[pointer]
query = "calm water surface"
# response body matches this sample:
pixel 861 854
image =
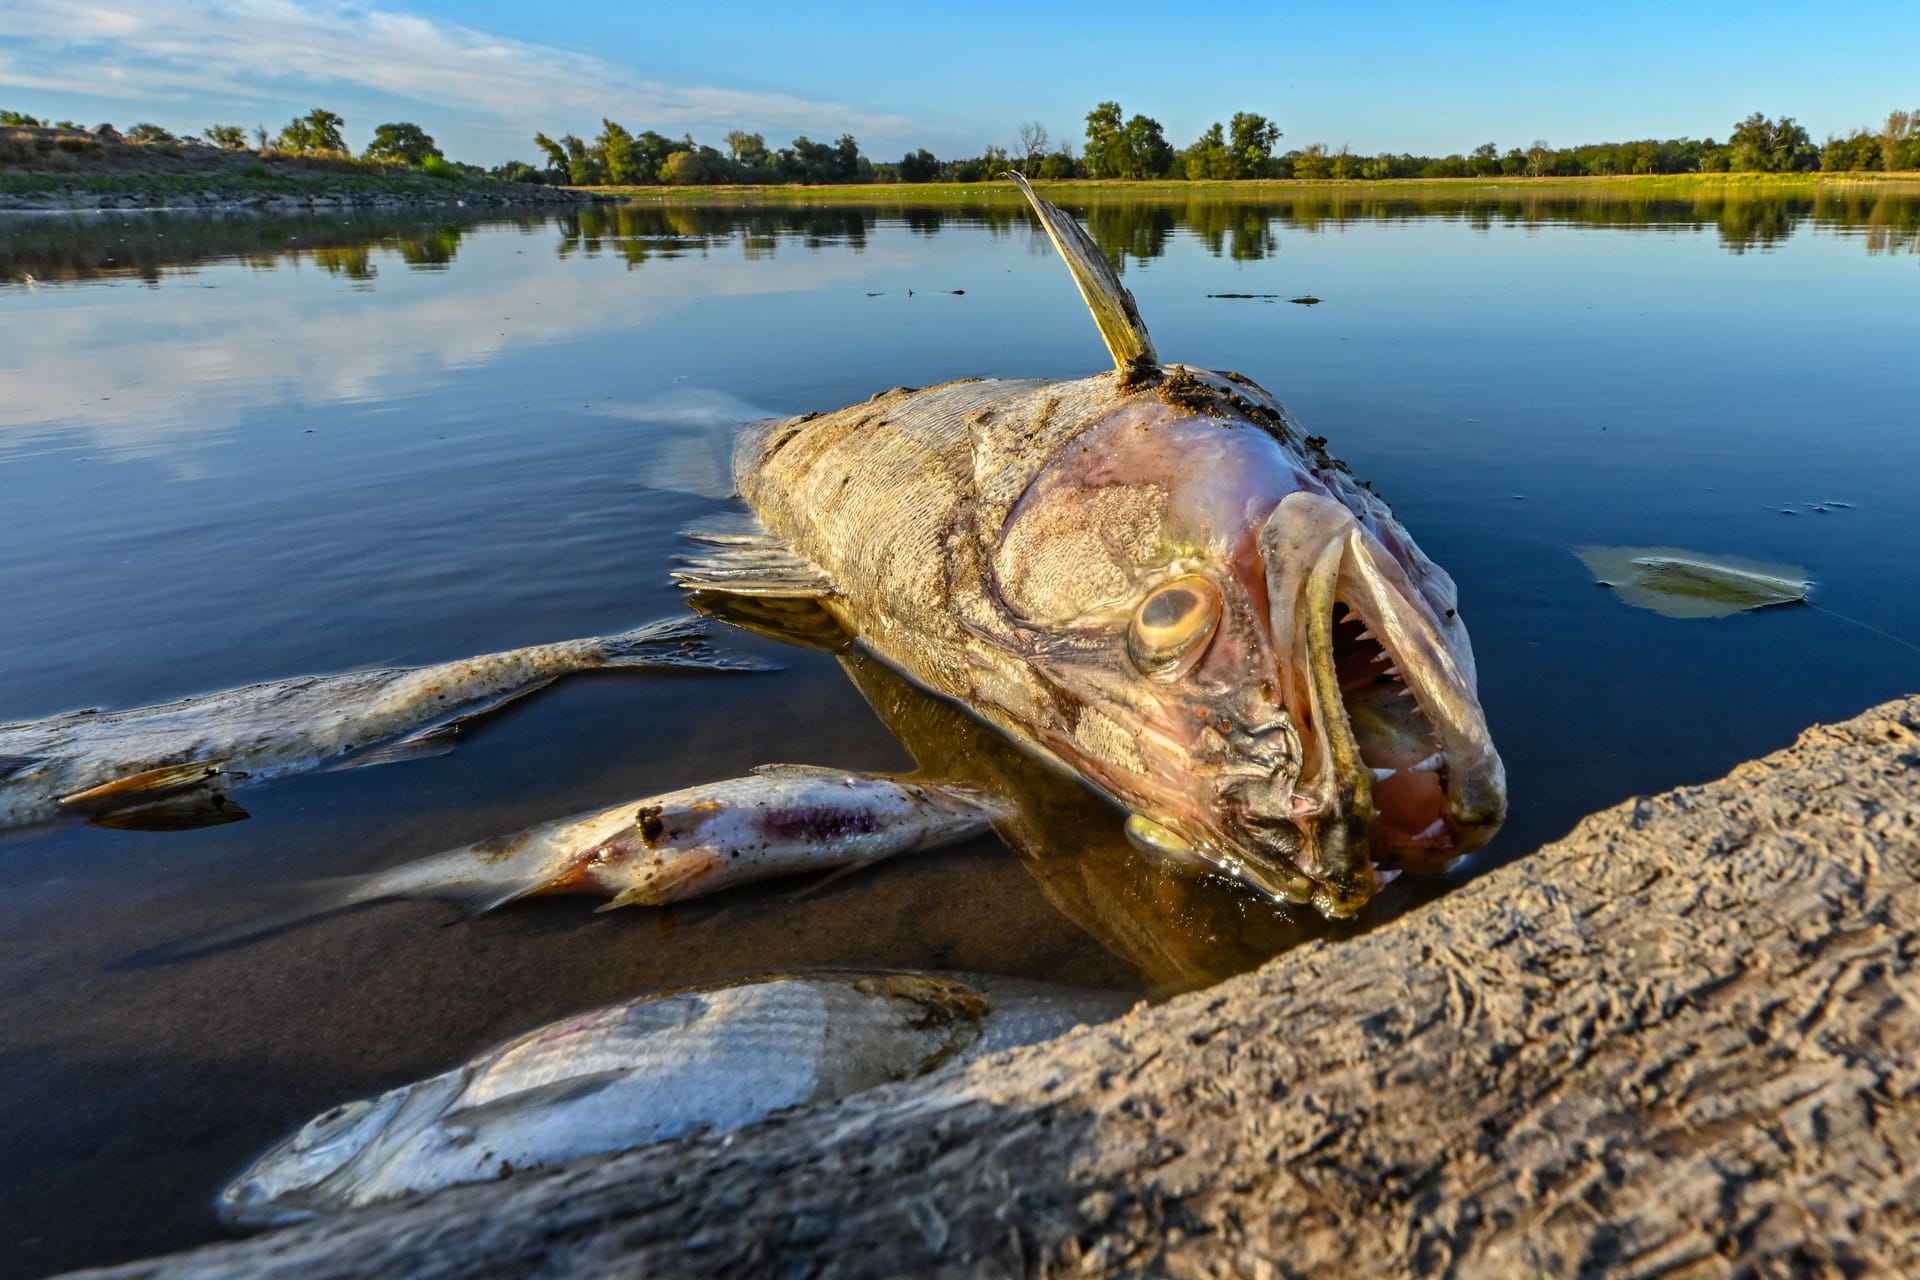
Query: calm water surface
pixel 240 450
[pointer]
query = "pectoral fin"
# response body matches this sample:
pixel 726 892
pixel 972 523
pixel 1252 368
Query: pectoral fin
pixel 755 564
pixel 472 1120
pixel 150 782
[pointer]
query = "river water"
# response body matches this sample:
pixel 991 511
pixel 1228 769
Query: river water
pixel 235 450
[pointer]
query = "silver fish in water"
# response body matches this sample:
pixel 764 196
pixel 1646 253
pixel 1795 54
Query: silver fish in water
pixel 172 764
pixel 779 820
pixel 707 1059
pixel 1156 577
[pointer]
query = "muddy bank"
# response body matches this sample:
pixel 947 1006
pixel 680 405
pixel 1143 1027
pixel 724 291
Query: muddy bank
pixel 1685 1037
pixel 50 169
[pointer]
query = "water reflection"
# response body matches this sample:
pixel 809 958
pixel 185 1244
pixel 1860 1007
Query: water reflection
pixel 78 247
pixel 67 248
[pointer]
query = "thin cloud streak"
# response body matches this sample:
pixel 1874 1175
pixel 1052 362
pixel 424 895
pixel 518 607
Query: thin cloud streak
pixel 266 50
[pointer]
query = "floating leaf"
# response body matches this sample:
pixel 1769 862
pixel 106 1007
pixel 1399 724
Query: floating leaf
pixel 1686 584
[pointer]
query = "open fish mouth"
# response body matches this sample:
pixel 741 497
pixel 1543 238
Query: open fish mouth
pixel 1397 769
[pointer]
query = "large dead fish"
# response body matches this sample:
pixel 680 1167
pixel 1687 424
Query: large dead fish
pixel 708 1059
pixel 171 764
pixel 1160 579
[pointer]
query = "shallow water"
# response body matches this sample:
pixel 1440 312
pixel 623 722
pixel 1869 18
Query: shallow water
pixel 234 450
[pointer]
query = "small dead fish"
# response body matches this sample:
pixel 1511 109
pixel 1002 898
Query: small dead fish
pixel 708 1059
pixel 170 765
pixel 779 820
pixel 1686 584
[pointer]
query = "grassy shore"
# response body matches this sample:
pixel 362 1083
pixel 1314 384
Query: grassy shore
pixel 1685 186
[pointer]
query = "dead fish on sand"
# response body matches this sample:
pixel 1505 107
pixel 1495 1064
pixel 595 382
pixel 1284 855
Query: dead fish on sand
pixel 779 820
pixel 170 765
pixel 1160 580
pixel 703 1060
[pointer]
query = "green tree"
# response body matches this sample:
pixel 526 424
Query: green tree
pixel 1106 142
pixel 402 143
pixel 1858 150
pixel 18 120
pixel 685 169
pixel 919 166
pixel 1312 162
pixel 144 132
pixel 1209 157
pixel 619 159
pixel 228 137
pixel 1059 165
pixel 556 155
pixel 1251 137
pixel 1762 145
pixel 748 150
pixel 1485 160
pixel 1344 163
pixel 1148 153
pixel 318 130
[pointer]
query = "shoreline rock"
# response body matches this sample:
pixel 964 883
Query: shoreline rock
pixel 1684 1037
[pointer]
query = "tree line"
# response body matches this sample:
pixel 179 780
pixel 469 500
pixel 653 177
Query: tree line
pixel 1116 146
pixel 319 132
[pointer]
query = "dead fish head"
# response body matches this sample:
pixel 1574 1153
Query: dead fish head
pixel 1242 645
pixel 312 1171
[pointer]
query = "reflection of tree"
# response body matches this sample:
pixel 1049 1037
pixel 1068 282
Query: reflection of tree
pixel 56 248
pixel 355 262
pixel 151 247
pixel 1137 231
pixel 431 249
pixel 1747 224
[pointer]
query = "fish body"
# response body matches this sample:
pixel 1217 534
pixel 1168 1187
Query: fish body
pixel 707 1059
pixel 1155 576
pixel 778 820
pixel 105 764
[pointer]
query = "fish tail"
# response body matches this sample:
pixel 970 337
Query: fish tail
pixel 305 903
pixel 673 642
pixel 447 877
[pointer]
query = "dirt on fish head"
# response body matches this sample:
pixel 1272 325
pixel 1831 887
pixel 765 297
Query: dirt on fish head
pixel 1235 639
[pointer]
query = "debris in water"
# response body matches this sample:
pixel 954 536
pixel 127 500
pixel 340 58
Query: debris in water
pixel 1686 584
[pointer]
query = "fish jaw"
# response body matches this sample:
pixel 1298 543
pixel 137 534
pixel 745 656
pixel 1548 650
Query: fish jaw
pixel 1399 772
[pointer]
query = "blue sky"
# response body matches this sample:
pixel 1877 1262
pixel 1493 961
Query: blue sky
pixel 1425 78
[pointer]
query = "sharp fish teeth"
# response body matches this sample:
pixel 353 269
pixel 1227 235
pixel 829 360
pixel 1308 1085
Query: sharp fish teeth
pixel 1383 656
pixel 1381 775
pixel 1439 827
pixel 1365 634
pixel 1430 765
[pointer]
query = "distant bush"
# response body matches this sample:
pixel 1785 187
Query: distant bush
pixel 438 166
pixel 149 133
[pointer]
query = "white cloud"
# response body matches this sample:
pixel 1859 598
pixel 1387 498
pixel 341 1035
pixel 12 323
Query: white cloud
pixel 269 50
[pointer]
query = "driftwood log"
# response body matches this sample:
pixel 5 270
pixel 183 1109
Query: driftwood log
pixel 1683 1040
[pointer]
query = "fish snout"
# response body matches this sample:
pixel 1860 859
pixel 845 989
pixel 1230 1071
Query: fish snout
pixel 1398 771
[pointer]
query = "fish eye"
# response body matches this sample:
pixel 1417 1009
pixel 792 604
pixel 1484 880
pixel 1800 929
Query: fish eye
pixel 332 1122
pixel 1171 627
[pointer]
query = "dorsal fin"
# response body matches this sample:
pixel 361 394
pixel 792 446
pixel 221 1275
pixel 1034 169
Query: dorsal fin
pixel 1112 306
